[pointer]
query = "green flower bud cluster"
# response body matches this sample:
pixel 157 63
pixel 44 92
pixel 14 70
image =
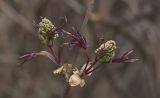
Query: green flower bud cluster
pixel 108 46
pixel 107 57
pixel 45 26
pixel 109 50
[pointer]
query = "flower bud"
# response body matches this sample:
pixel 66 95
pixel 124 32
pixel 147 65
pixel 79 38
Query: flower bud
pixel 107 57
pixel 108 46
pixel 58 71
pixel 75 80
pixel 106 51
pixel 65 68
pixel 45 26
pixel 71 74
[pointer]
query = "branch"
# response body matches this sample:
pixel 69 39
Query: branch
pixel 67 89
pixel 87 15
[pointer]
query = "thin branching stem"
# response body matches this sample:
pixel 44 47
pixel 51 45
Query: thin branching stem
pixel 83 27
pixel 87 15
pixel 54 55
pixel 66 93
pixel 94 62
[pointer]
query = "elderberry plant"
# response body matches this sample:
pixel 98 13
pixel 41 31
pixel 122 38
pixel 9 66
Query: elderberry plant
pixel 104 54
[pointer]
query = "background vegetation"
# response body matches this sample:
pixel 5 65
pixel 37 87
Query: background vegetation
pixel 133 24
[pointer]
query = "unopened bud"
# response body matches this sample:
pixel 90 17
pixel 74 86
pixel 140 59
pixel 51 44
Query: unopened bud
pixel 45 26
pixel 107 57
pixel 75 80
pixel 108 46
pixel 65 68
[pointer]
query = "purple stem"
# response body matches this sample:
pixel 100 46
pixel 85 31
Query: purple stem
pixel 54 56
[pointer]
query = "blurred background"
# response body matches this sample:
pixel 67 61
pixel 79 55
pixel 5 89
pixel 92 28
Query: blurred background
pixel 133 24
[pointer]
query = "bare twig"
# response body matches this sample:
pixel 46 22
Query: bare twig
pixel 66 91
pixel 87 15
pixel 75 5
